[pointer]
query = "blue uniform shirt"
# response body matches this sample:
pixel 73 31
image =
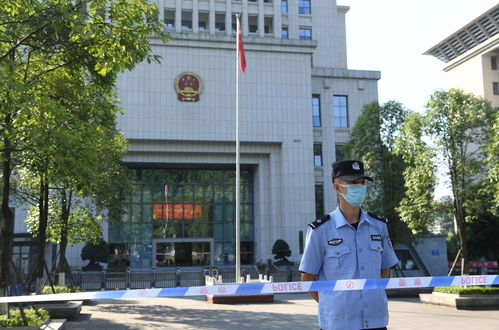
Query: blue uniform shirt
pixel 335 251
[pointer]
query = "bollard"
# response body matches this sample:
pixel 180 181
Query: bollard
pixel 153 278
pixel 103 280
pixel 62 279
pixel 178 276
pixel 248 278
pixel 128 280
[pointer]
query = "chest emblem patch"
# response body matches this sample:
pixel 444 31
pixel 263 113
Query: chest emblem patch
pixel 335 241
pixel 376 237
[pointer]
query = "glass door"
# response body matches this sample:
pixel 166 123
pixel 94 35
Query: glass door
pixel 182 253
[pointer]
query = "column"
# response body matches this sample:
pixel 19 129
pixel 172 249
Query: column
pixel 228 17
pixel 293 20
pixel 212 17
pixel 261 19
pixel 195 16
pixel 244 21
pixel 277 19
pixel 178 15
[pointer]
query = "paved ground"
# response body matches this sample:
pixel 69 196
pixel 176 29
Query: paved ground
pixel 290 311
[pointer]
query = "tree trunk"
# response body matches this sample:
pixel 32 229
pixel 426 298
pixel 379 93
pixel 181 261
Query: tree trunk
pixel 42 232
pixel 459 217
pixel 8 229
pixel 63 266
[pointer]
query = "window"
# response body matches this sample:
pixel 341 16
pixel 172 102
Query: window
pixel 319 200
pixel 267 25
pixel 340 110
pixel 316 110
pixel 339 152
pixel 284 6
pixel 219 22
pixel 304 7
pixel 170 18
pixel 186 22
pixel 284 32
pixel 305 34
pixel 493 62
pixel 317 154
pixel 253 23
pixel 203 21
pixel 495 88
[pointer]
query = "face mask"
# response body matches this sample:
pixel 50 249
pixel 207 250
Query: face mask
pixel 356 193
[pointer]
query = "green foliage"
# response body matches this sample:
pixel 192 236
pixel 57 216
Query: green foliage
pixel 60 289
pixel 82 225
pixel 96 252
pixel 281 250
pixel 416 207
pixel 34 317
pixel 469 290
pixel 373 141
pixel 493 163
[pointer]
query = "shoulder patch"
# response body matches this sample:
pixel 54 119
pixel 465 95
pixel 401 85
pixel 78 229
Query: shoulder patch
pixel 319 221
pixel 377 217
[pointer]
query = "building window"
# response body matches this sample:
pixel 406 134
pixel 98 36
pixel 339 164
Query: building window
pixel 340 110
pixel 339 152
pixel 319 200
pixel 495 88
pixel 170 18
pixel 316 110
pixel 253 23
pixel 267 25
pixel 493 62
pixel 305 34
pixel 284 6
pixel 186 22
pixel 203 21
pixel 317 154
pixel 304 7
pixel 219 22
pixel 284 32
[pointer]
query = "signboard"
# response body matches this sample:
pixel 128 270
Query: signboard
pixel 171 211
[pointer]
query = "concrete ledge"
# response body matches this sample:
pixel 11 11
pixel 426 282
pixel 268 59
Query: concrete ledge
pixel 241 299
pixel 461 301
pixel 64 310
pixel 54 324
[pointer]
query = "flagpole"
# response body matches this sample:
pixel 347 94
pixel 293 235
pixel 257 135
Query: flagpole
pixel 238 171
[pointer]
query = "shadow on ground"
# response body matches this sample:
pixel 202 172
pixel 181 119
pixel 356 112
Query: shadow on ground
pixel 168 317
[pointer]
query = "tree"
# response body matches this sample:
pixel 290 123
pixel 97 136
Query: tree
pixel 95 253
pixel 373 141
pixel 416 206
pixel 91 41
pixel 457 126
pixel 281 251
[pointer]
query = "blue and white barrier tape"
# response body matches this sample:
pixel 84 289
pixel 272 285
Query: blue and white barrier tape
pixel 268 288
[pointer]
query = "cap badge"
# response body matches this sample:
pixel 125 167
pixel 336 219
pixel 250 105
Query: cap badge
pixel 356 166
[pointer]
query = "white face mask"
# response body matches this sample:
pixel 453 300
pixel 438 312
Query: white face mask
pixel 356 193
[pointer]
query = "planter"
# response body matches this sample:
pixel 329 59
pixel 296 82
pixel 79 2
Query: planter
pixel 461 301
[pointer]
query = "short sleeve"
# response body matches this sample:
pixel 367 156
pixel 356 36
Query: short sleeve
pixel 388 258
pixel 313 254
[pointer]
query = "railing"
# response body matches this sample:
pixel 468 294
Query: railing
pixel 143 279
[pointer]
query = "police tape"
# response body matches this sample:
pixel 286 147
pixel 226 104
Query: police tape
pixel 267 288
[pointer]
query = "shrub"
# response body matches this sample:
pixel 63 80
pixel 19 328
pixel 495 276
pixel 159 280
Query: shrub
pixel 60 289
pixel 281 250
pixel 34 318
pixel 471 290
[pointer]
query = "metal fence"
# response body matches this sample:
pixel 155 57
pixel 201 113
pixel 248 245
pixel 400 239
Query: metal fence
pixel 143 279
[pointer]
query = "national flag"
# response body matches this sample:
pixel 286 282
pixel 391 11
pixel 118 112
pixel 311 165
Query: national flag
pixel 240 48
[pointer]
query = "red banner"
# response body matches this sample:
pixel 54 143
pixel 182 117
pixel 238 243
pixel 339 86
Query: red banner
pixel 477 264
pixel 170 211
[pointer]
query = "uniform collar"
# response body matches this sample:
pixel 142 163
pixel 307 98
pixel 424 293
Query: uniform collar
pixel 341 221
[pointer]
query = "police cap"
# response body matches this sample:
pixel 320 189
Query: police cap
pixel 349 170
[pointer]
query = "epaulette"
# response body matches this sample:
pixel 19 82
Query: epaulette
pixel 377 217
pixel 319 221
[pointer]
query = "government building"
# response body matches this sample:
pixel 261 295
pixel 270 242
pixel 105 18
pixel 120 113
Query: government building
pixel 298 102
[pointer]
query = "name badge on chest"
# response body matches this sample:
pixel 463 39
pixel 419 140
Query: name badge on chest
pixel 335 241
pixel 376 237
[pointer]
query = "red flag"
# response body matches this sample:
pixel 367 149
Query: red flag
pixel 240 48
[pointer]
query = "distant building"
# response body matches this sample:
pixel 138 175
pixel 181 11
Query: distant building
pixel 471 56
pixel 298 101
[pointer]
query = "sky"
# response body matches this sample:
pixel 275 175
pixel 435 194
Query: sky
pixel 391 35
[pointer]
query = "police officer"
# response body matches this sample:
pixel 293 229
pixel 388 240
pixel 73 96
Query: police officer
pixel 347 244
